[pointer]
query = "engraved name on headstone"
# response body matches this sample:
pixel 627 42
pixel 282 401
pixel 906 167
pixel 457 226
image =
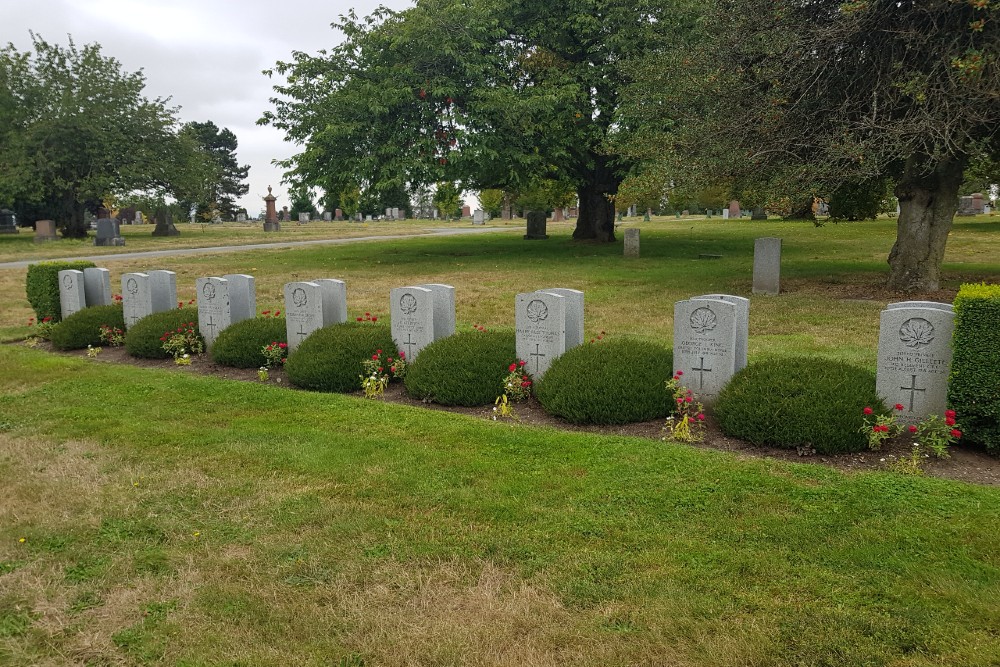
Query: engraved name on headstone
pixel 214 311
pixel 412 313
pixel 303 311
pixel 72 295
pixel 540 323
pixel 705 333
pixel 97 286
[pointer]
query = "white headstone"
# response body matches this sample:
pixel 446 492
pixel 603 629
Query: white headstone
pixel 97 286
pixel 444 309
pixel 137 297
pixel 163 286
pixel 725 214
pixel 334 300
pixel 412 312
pixel 303 217
pixel 742 324
pixel 921 304
pixel 540 323
pixel 632 242
pixel 705 333
pixel 242 297
pixel 72 294
pixel 574 314
pixel 327 216
pixel 138 218
pixel 214 311
pixel 395 214
pixel 388 213
pixel 479 217
pixel 303 311
pixel 914 360
pixel 767 265
pixel 241 217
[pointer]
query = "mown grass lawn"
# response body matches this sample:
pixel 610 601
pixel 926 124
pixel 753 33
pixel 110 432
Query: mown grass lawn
pixel 170 518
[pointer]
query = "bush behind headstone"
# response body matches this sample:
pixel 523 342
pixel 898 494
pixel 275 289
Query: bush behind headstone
pixel 83 327
pixel 330 358
pixel 143 337
pixel 974 385
pixel 464 369
pixel 42 287
pixel 241 345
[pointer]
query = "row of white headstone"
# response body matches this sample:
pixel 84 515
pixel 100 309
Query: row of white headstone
pixel 711 331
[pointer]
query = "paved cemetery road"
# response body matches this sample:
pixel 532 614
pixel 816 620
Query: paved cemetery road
pixel 113 257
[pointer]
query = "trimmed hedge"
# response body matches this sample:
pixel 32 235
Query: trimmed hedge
pixel 143 339
pixel 330 358
pixel 42 287
pixel 613 382
pixel 465 369
pixel 83 327
pixel 799 401
pixel 239 345
pixel 974 385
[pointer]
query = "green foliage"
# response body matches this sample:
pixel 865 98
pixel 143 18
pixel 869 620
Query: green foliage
pixel 863 200
pixel 143 338
pixel 330 358
pixel 974 386
pixel 448 200
pixel 42 287
pixel 228 178
pixel 241 345
pixel 790 402
pixel 83 327
pixel 491 201
pixel 612 382
pixel 465 369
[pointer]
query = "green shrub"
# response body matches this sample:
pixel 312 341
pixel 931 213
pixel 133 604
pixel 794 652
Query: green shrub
pixel 83 327
pixel 143 339
pixel 330 358
pixel 239 345
pixel 42 287
pixel 799 401
pixel 464 369
pixel 614 382
pixel 974 385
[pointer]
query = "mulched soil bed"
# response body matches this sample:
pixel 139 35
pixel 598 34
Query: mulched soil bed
pixel 965 464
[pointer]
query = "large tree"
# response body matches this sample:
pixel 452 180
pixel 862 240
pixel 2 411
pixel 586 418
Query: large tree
pixel 227 179
pixel 797 98
pixel 490 93
pixel 75 129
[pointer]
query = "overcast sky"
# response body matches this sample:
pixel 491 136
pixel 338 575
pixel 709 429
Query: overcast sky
pixel 207 55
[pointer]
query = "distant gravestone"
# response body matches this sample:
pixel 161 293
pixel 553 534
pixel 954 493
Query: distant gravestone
pixel 632 242
pixel 72 294
pixel 767 265
pixel 327 216
pixel 286 215
pixel 242 297
pixel 165 224
pixel 137 297
pixel 396 215
pixel 334 300
pixel 914 360
pixel 742 324
pixel 368 218
pixel 338 214
pixel 97 286
pixel 734 209
pixel 921 304
pixel 535 225
pixel 303 311
pixel 45 230
pixel 138 218
pixel 412 313
pixel 574 314
pixel 108 233
pixel 388 213
pixel 479 217
pixel 705 332
pixel 214 312
pixel 725 214
pixel 444 309
pixel 540 324
pixel 163 287
pixel 466 211
pixel 303 217
pixel 8 222
pixel 241 217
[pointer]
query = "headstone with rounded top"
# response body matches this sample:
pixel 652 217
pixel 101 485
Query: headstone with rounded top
pixel 97 286
pixel 303 311
pixel 214 311
pixel 540 329
pixel 705 347
pixel 72 293
pixel 734 209
pixel 412 314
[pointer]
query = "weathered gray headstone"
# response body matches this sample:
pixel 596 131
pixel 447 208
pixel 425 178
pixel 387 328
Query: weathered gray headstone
pixel 632 242
pixel 334 300
pixel 412 313
pixel 921 304
pixel 444 309
pixel 388 213
pixel 72 294
pixel 767 265
pixel 914 360
pixel 97 286
pixel 303 217
pixel 45 230
pixel 163 286
pixel 214 312
pixel 242 297
pixel 535 225
pixel 742 324
pixel 705 335
pixel 396 214
pixel 241 217
pixel 108 233
pixel 479 217
pixel 725 214
pixel 303 311
pixel 574 314
pixel 137 297
pixel 8 222
pixel 540 323
pixel 327 216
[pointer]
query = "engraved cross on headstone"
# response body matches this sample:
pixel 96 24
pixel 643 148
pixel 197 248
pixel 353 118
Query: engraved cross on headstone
pixel 134 318
pixel 913 389
pixel 537 355
pixel 409 347
pixel 701 373
pixel 211 325
pixel 300 333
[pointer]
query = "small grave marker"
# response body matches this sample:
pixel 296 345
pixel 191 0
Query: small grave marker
pixel 540 322
pixel 705 345
pixel 137 297
pixel 632 242
pixel 214 310
pixel 412 314
pixel 242 297
pixel 767 266
pixel 97 286
pixel 72 294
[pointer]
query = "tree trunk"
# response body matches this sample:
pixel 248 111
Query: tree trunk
pixel 73 226
pixel 927 206
pixel 596 218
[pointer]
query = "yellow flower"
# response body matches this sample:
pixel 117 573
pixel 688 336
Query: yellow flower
pixel 22 540
pixel 196 533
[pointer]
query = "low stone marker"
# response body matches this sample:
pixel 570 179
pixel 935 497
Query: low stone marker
pixel 163 286
pixel 137 297
pixel 242 297
pixel 574 314
pixel 725 214
pixel 632 242
pixel 45 230
pixel 334 300
pixel 338 214
pixel 241 217
pixel 540 322
pixel 535 225
pixel 97 286
pixel 914 359
pixel 108 233
pixel 444 309
pixel 705 333
pixel 303 217
pixel 214 311
pixel 412 313
pixel 742 324
pixel 327 216
pixel 72 294
pixel 767 266
pixel 479 217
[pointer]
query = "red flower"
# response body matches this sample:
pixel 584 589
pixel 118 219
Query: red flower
pixel 950 421
pixel 180 304
pixel 913 429
pixel 522 363
pixel 266 312
pixel 360 319
pixel 374 357
pixel 955 433
pixel 47 319
pixel 368 314
pixel 374 319
pixel 680 373
pixel 402 355
pixel 277 312
pixel 525 383
pixel 282 345
pixel 868 410
pixel 512 368
pixel 949 413
pixel 392 369
pixel 679 401
pixel 899 406
pixel 379 369
pixel 701 417
pixel 378 351
pixel 688 399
